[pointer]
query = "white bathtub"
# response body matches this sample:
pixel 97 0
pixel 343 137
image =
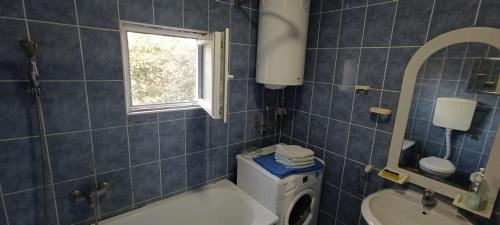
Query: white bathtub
pixel 220 203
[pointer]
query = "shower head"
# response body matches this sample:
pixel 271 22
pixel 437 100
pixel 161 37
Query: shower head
pixel 30 48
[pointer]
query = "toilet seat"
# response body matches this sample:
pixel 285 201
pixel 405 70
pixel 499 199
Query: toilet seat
pixel 437 165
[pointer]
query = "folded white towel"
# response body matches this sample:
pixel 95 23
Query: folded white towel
pixel 294 152
pixel 303 160
pixel 295 166
pixel 290 163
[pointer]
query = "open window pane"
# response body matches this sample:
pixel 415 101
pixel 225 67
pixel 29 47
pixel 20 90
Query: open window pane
pixel 163 69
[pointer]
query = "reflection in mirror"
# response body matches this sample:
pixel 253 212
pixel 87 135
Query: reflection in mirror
pixel 441 141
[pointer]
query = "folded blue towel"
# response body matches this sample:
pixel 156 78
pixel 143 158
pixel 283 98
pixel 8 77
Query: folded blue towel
pixel 279 170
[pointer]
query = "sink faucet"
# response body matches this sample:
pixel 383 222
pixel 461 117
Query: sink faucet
pixel 91 197
pixel 428 199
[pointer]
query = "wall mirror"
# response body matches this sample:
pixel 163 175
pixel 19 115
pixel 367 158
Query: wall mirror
pixel 447 121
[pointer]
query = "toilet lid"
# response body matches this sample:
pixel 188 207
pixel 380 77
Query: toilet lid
pixel 437 164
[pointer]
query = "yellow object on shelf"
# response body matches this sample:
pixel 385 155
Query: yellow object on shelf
pixel 362 87
pixel 381 111
pixel 393 176
pixel 486 210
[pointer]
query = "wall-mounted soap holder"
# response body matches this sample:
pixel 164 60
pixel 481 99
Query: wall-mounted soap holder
pixel 362 88
pixel 381 111
pixel 486 210
pixel 393 176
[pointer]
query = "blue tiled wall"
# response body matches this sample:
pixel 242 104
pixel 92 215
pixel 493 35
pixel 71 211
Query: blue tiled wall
pixel 364 42
pixel 90 137
pixel 446 74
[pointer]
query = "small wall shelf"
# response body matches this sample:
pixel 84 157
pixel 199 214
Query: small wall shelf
pixel 381 111
pixel 393 176
pixel 459 202
pixel 362 88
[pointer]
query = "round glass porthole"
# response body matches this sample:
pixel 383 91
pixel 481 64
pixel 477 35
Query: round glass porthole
pixel 300 211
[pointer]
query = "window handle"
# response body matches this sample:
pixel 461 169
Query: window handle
pixel 229 76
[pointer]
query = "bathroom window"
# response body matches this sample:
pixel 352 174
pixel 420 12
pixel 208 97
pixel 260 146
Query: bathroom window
pixel 174 69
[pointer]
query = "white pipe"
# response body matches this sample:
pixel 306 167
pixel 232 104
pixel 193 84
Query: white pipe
pixel 448 143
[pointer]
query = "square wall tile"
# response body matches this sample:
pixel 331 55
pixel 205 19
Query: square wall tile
pixel 196 134
pixel 378 27
pixel 300 125
pixel 328 5
pixel 354 178
pixel 360 144
pixel 217 162
pixel 317 127
pixel 239 61
pixel 334 165
pixel 65 106
pixel 351 33
pixel 236 127
pixel 70 211
pixel 372 67
pixel 98 13
pixel 26 208
pixel 14 64
pixel 142 118
pixel 488 16
pixel 254 121
pixel 321 99
pixel 146 182
pixel 102 54
pixel 390 101
pixel 313 31
pixel 20 119
pixel 219 15
pixel 336 139
pixel 329 30
pixel 196 14
pixel 121 196
pixel 59 56
pixel 106 104
pixel 237 95
pixel 361 114
pixel 329 198
pixel 110 149
pixel 398 59
pixel 381 146
pixel 136 10
pixel 451 15
pixel 416 13
pixel 349 209
pixel 143 142
pixel 11 8
pixel 173 171
pixel 70 155
pixel 325 65
pixel 196 165
pixel 342 100
pixel 20 164
pixel 51 10
pixel 218 133
pixel 240 25
pixel 172 115
pixel 303 97
pixel 255 95
pixel 172 138
pixel 346 69
pixel 169 13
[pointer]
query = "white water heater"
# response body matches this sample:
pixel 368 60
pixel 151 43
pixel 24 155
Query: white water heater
pixel 282 42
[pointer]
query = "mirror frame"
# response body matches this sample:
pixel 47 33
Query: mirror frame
pixel 491 184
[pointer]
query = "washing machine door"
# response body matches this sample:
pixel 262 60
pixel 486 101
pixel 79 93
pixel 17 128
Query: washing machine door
pixel 300 210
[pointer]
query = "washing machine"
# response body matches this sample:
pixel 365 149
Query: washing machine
pixel 294 198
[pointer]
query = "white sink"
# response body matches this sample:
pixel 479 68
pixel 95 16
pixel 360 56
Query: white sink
pixel 404 207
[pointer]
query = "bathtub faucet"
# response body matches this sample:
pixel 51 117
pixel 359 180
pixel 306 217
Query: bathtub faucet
pixel 91 197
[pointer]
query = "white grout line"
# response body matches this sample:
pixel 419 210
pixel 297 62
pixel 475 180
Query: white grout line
pixel 477 12
pixel 26 20
pixel 92 151
pixel 153 10
pixel 3 205
pixel 159 152
pixel 430 22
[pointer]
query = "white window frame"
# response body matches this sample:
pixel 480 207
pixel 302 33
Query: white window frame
pixel 216 104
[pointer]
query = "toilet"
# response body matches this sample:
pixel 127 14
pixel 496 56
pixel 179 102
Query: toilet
pixel 437 167
pixel 451 114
